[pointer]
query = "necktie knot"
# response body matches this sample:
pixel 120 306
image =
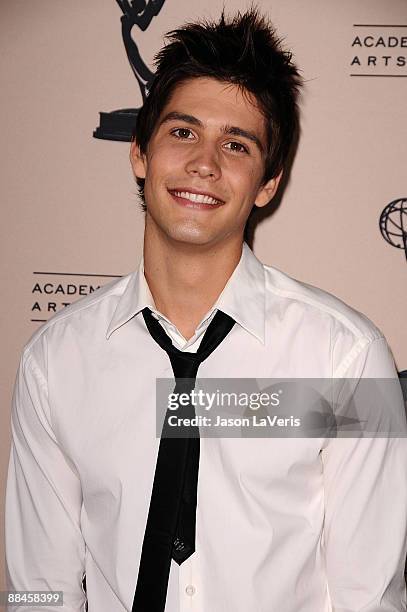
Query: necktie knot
pixel 216 331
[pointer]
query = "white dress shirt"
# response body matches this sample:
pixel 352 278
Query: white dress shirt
pixel 283 525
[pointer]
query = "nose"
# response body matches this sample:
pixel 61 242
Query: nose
pixel 204 161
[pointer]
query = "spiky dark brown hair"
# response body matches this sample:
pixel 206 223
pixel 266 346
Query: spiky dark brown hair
pixel 243 50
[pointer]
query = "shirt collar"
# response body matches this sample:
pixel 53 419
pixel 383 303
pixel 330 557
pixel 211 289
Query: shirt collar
pixel 243 296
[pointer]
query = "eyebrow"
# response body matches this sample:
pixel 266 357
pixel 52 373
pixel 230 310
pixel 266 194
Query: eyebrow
pixel 226 129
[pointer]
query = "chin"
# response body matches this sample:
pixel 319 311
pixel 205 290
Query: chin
pixel 193 236
pixel 188 238
pixel 189 233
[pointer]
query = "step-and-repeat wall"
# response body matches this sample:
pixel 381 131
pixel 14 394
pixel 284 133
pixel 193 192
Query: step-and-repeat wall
pixel 71 220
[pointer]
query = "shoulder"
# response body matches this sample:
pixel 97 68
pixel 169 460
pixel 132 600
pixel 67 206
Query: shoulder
pixel 89 314
pixel 317 305
pixel 323 329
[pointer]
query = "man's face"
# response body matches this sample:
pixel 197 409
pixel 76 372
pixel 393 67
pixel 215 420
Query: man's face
pixel 209 139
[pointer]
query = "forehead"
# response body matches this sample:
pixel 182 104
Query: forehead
pixel 216 103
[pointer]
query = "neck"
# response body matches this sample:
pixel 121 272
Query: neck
pixel 185 280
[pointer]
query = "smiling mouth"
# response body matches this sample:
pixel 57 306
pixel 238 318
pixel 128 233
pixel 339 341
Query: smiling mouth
pixel 195 200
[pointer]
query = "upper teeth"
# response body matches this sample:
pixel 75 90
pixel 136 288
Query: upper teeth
pixel 196 197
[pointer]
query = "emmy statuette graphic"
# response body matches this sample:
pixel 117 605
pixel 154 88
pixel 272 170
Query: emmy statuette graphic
pixel 393 224
pixel 119 124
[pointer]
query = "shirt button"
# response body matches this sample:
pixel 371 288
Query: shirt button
pixel 190 590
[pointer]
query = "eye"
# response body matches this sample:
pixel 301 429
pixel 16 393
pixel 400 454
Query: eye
pixel 182 132
pixel 242 149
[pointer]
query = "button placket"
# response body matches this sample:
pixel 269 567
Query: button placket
pixel 188 588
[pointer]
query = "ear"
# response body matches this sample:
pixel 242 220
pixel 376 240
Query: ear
pixel 138 161
pixel 268 191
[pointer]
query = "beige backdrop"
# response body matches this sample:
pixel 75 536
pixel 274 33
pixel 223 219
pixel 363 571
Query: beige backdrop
pixel 69 204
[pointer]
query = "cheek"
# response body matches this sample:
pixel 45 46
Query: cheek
pixel 244 180
pixel 161 163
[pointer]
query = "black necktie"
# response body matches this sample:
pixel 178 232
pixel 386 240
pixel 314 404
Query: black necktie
pixel 170 529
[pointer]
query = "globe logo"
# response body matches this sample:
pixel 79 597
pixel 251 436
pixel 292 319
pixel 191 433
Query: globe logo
pixel 393 224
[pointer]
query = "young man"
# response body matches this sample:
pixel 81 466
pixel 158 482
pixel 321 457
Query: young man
pixel 306 524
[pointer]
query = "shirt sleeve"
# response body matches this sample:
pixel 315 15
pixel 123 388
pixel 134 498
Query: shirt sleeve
pixel 45 550
pixel 365 488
